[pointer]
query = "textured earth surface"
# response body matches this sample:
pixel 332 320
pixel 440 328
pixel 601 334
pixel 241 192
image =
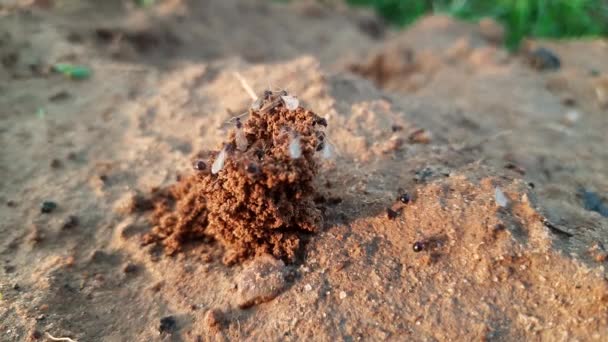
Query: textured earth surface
pixel 504 164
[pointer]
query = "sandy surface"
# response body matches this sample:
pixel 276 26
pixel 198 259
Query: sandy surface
pixel 499 159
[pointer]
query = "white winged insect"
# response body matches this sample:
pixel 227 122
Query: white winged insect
pixel 295 149
pixel 327 151
pixel 218 164
pixel 326 147
pixel 291 102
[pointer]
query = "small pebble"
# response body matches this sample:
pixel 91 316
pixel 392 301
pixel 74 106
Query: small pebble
pixel 420 136
pixel 129 268
pixel 491 30
pixel 60 96
pixel 167 324
pixel 593 202
pixel 307 288
pixel 214 319
pixel 598 252
pixel 544 59
pixel 55 163
pixel 70 222
pixel 47 207
pixel 568 101
pixel 69 261
pixel 260 281
pixel 405 198
pixel 572 116
pixel 35 335
pixel 132 201
pixel 342 295
pixel 501 199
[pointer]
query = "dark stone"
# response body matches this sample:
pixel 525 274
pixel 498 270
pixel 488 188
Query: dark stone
pixel 47 207
pixel 374 27
pixel 423 175
pixel 130 268
pixel 593 202
pixel 36 335
pixel 168 324
pixel 55 163
pixel 544 59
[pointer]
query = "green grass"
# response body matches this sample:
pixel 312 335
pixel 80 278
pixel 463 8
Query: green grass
pixel 521 18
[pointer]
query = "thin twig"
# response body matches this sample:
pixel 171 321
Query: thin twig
pixel 245 85
pixel 66 339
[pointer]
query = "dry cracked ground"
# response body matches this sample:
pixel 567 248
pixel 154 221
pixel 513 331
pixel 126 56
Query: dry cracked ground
pixel 505 164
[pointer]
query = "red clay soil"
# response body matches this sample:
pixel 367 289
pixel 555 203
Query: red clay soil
pixel 261 201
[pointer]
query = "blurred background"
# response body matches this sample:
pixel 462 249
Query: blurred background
pixel 536 18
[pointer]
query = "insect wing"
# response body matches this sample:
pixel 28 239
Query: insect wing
pixel 291 102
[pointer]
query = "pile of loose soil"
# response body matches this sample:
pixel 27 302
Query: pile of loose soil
pixel 258 196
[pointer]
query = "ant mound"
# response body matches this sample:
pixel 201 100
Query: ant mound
pixel 257 195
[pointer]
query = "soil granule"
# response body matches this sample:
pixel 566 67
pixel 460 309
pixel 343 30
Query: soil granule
pixel 261 200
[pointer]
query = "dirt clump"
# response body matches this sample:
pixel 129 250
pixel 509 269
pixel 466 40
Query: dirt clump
pixel 261 281
pixel 256 194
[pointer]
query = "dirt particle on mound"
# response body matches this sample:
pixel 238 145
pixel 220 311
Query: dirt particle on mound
pixel 420 136
pixel 214 319
pixel 132 202
pixel 130 268
pixel 258 197
pixel 598 252
pixel 70 222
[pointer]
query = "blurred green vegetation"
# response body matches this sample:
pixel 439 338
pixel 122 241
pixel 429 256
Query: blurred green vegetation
pixel 521 18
